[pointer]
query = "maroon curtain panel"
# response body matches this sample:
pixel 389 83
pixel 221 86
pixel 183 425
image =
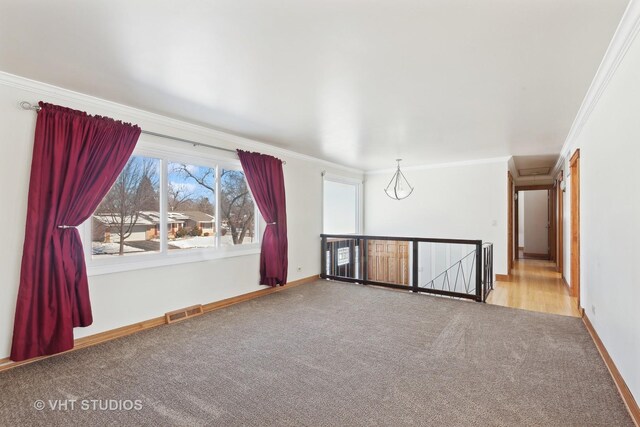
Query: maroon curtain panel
pixel 76 160
pixel 266 181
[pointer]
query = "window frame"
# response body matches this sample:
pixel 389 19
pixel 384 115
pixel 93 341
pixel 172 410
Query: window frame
pixel 164 257
pixel 359 186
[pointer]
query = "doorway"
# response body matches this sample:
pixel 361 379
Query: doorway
pixel 534 282
pixel 534 218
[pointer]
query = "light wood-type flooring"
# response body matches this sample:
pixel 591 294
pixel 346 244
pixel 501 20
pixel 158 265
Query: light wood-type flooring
pixel 535 286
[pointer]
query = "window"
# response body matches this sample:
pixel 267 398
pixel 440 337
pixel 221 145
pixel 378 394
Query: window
pixel 168 206
pixel 237 210
pixel 341 205
pixel 191 198
pixel 127 218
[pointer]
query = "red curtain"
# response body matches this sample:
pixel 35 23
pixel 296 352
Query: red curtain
pixel 76 159
pixel 266 180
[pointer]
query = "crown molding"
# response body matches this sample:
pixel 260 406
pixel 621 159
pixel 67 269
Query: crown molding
pixel 622 39
pixel 157 122
pixel 441 165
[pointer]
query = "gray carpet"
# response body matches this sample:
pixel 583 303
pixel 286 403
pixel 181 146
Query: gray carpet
pixel 332 354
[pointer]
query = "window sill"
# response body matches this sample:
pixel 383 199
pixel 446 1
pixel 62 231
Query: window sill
pixel 117 264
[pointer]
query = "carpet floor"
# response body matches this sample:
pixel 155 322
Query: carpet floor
pixel 329 354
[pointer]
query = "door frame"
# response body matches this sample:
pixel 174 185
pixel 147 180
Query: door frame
pixel 532 187
pixel 551 215
pixel 574 165
pixel 560 224
pixel 510 223
pixel 516 225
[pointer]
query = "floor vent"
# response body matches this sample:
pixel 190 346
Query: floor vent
pixel 183 313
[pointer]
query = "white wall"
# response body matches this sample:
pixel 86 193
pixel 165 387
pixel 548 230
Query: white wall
pixel 467 201
pixel 610 216
pixel 521 197
pixel 536 233
pixel 121 299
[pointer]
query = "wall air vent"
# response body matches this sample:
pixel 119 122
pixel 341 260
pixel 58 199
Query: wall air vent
pixel 183 313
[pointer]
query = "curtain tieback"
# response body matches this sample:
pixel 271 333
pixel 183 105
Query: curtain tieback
pixel 271 223
pixel 66 226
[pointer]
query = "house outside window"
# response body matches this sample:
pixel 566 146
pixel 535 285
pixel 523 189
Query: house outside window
pixel 168 207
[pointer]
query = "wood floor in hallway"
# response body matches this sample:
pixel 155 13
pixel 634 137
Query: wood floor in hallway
pixel 535 286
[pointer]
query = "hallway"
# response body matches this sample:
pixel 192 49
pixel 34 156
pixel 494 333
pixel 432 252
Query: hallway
pixel 535 286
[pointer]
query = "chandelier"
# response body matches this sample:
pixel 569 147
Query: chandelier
pixel 398 188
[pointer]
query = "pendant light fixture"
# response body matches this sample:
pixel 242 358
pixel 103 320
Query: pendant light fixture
pixel 398 188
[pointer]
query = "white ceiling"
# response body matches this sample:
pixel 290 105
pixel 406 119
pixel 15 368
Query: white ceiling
pixel 353 81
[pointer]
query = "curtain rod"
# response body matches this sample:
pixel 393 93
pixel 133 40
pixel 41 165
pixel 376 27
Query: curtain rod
pixel 29 106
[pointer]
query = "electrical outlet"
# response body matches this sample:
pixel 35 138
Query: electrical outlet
pixel 299 268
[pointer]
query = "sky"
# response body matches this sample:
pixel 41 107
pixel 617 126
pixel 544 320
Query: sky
pixel 177 178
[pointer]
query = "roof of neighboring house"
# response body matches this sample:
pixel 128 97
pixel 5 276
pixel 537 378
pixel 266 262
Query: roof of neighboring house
pixel 113 219
pixel 177 216
pixel 198 216
pixel 144 218
pixel 172 217
pixel 153 217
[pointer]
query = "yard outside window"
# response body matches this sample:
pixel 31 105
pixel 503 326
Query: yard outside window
pixel 167 208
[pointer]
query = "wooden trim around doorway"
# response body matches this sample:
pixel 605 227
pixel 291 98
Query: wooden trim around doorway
pixel 534 187
pixel 510 222
pixel 516 226
pixel 551 217
pixel 560 224
pixel 574 164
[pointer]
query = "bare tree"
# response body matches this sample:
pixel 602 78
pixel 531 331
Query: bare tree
pixel 236 204
pixel 204 205
pixel 179 196
pixel 134 190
